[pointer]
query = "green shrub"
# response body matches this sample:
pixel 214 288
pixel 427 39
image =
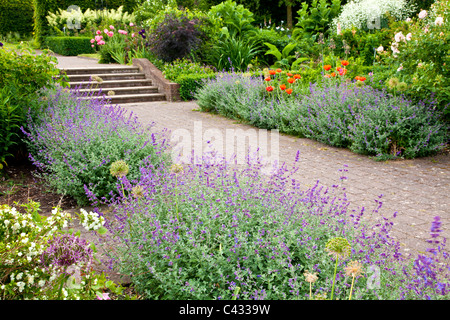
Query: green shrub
pixel 190 83
pixel 175 69
pixel 69 46
pixel 22 74
pixel 16 16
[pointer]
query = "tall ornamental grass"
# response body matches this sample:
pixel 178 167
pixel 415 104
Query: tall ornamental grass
pixel 74 140
pixel 349 115
pixel 214 231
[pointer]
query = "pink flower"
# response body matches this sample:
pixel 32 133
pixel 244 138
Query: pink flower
pixel 101 42
pixel 409 36
pixel 131 24
pixel 423 14
pixel 103 296
pixel 106 31
pixel 92 40
pixel 400 68
pixel 132 35
pixel 97 38
pixel 399 37
pixel 92 45
pixel 425 30
pixel 98 32
pixel 439 21
pixel 110 34
pixel 123 32
pixel 111 27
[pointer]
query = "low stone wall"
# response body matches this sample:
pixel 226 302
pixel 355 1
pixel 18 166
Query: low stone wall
pixel 170 89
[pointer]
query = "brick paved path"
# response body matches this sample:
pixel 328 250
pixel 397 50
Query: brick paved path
pixel 417 189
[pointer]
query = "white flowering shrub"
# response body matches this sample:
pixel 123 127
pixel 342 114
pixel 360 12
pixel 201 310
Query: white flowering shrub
pixel 40 261
pixel 91 221
pixel 356 13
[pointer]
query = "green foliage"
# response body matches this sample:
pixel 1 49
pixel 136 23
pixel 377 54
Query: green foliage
pixel 422 62
pixel 16 16
pixel 22 74
pixel 191 83
pixel 149 9
pixel 69 46
pixel 316 18
pixel 284 59
pixel 235 19
pixel 184 66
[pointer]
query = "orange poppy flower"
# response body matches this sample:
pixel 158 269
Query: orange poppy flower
pixel 291 80
pixel 362 78
pixel 268 79
pixel 269 88
pixel 357 78
pixel 289 91
pixel 327 67
pixel 333 74
pixel 344 63
pixel 279 70
pixel 289 74
pixel 272 72
pixel 342 72
pixel 338 68
pixel 297 76
pixel 283 87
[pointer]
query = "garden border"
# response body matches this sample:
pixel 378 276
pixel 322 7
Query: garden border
pixel 170 89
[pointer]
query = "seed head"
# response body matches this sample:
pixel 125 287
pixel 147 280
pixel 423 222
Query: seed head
pixel 119 169
pixel 338 247
pixel 354 269
pixel 393 82
pixel 310 277
pixel 176 168
pixel 137 191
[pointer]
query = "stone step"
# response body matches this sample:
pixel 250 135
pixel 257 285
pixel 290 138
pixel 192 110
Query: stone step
pixel 106 76
pixel 111 83
pixel 132 98
pixel 123 90
pixel 100 70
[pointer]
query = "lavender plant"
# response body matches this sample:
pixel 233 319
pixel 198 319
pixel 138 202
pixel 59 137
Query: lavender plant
pixel 355 116
pixel 235 233
pixel 74 141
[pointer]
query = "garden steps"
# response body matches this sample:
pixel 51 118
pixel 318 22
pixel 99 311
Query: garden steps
pixel 128 83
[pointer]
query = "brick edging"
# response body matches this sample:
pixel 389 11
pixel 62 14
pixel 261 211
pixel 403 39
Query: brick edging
pixel 170 89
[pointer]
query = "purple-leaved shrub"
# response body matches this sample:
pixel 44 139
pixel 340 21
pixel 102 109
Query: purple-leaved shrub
pixel 74 140
pixel 216 231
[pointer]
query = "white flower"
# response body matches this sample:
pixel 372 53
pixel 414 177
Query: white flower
pixel 408 20
pixel 400 68
pixel 439 21
pixel 423 14
pixel 380 49
pixel 6 222
pixel 399 37
pixel 409 36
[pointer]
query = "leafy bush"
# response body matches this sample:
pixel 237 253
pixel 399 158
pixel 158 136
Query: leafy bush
pixel 16 16
pixel 365 120
pixel 419 56
pixel 22 74
pixel 214 231
pixel 235 19
pixel 175 69
pixel 176 38
pixel 38 260
pixel 317 19
pixel 149 10
pixel 190 83
pixel 74 141
pixel 69 46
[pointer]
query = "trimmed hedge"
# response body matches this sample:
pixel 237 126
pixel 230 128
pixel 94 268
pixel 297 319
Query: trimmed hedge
pixel 43 7
pixel 190 83
pixel 69 46
pixel 16 16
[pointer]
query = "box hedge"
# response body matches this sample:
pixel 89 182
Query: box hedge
pixel 16 16
pixel 69 46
